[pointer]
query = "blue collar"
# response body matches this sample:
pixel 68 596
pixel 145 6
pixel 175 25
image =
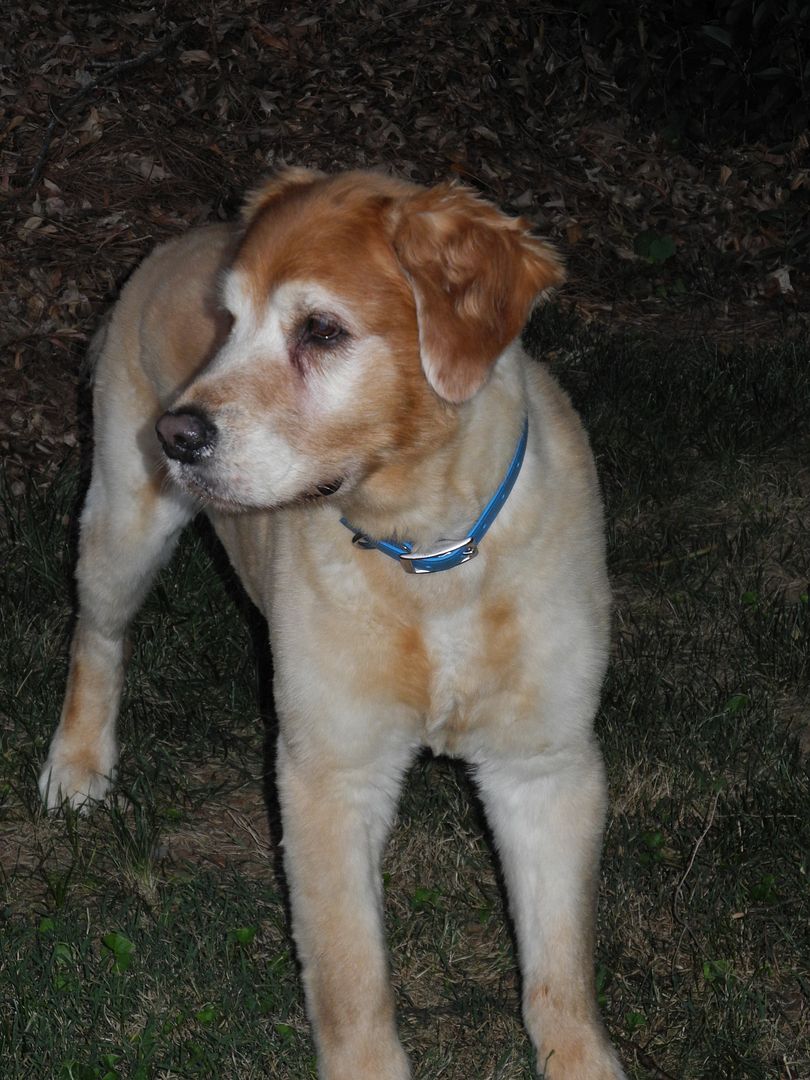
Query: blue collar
pixel 449 553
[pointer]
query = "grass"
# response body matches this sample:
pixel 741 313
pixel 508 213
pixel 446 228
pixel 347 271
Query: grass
pixel 150 939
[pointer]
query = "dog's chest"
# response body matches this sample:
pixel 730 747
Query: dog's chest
pixel 474 673
pixel 446 658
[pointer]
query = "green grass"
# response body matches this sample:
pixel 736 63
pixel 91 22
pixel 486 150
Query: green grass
pixel 150 938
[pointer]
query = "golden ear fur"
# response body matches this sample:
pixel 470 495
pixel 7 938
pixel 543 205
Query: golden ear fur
pixel 285 180
pixel 475 273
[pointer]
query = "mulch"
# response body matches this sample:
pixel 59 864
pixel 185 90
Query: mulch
pixel 125 124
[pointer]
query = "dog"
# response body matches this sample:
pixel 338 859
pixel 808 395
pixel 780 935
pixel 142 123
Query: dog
pixel 337 380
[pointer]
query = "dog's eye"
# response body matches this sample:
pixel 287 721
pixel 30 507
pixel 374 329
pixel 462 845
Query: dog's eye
pixel 322 330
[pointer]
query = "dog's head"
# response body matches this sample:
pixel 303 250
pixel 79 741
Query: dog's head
pixel 366 311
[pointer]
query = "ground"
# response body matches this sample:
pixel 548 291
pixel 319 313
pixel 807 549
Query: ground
pixel 150 939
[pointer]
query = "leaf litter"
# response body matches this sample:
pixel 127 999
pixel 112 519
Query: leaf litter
pixel 122 127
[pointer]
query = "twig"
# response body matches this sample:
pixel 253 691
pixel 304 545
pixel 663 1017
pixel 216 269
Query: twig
pixel 686 929
pixel 102 79
pixel 659 564
pixel 655 1071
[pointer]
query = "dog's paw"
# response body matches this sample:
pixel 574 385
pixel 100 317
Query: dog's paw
pixel 584 1059
pixel 74 782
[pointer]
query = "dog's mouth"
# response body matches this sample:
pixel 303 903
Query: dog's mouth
pixel 206 493
pixel 212 494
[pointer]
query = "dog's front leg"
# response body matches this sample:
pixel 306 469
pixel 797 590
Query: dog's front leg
pixel 128 529
pixel 547 821
pixel 335 821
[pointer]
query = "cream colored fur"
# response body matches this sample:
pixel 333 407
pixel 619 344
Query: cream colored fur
pixel 499 661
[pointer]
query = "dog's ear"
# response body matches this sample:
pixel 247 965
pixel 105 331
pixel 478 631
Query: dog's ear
pixel 284 181
pixel 475 274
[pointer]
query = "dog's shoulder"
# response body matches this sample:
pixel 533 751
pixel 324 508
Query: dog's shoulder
pixel 169 318
pixel 183 270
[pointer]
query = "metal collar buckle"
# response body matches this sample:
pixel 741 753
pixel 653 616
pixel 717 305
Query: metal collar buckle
pixel 449 553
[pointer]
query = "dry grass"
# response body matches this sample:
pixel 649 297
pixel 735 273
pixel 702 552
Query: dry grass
pixel 703 962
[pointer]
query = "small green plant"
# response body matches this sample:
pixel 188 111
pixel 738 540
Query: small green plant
pixel 764 890
pixel 243 935
pixel 655 247
pixel 653 848
pixel 426 899
pixel 121 949
pixel 207 1015
pixel 63 964
pixel 635 1021
pixel 74 1070
pixel 603 978
pixel 736 703
pixel 717 971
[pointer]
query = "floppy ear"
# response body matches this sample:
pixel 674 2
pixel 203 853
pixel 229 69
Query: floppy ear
pixel 475 274
pixel 287 179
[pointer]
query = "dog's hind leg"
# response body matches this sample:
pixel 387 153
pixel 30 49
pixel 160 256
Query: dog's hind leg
pixel 129 526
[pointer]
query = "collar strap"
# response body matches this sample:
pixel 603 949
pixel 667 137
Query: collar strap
pixel 449 553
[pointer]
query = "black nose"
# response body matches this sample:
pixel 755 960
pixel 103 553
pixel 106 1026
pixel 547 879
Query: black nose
pixel 187 435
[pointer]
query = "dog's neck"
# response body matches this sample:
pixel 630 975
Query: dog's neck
pixel 442 492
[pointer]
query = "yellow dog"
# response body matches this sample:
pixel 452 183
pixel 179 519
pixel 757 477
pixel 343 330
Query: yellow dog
pixel 337 381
